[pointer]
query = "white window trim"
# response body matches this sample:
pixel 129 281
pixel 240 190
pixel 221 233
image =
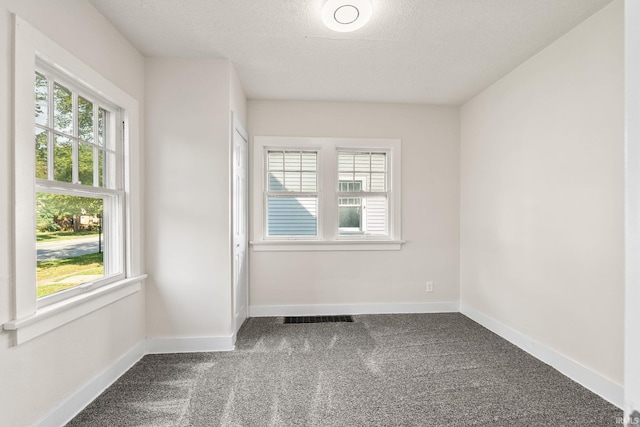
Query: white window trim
pixel 328 238
pixel 30 321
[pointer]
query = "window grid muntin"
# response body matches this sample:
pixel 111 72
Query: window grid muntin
pixel 301 171
pixel 105 146
pixel 363 171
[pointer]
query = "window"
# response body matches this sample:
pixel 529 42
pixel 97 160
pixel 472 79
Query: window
pixel 292 193
pixel 79 196
pixel 326 193
pixel 362 193
pixel 75 138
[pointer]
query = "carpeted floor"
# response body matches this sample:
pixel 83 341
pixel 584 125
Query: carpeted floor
pixel 381 370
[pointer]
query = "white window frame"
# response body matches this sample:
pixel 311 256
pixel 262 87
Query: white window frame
pixel 31 321
pixel 112 193
pixel 328 238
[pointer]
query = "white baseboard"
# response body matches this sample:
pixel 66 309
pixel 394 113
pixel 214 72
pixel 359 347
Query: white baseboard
pixel 579 373
pixel 332 309
pixel 79 399
pixel 190 345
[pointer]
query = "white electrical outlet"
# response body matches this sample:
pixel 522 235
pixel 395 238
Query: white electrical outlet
pixel 429 287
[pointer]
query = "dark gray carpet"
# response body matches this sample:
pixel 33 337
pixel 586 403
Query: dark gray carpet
pixel 381 370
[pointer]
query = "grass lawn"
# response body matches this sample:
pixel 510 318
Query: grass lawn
pixel 44 290
pixel 50 272
pixel 63 235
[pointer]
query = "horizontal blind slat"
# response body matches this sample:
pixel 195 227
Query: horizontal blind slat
pixel 292 216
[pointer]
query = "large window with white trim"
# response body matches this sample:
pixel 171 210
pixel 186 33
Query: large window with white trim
pixel 76 217
pixel 79 189
pixel 326 193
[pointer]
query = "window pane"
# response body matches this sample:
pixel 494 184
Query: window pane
pixel 42 149
pixel 347 182
pixel 85 164
pixel 62 159
pixel 366 216
pixel 292 171
pixel 378 182
pixel 275 160
pixel 345 162
pixel 378 162
pixel 101 168
pixel 365 170
pixel 361 162
pixel 102 123
pixel 363 180
pixel 309 161
pixel 349 186
pixel 376 216
pixel 110 178
pixel 42 100
pixel 63 109
pixel 85 119
pixel 349 215
pixel 292 181
pixel 309 182
pixel 292 161
pixel 276 181
pixel 69 244
pixel 292 216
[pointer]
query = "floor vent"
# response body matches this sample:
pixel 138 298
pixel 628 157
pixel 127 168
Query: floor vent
pixel 317 319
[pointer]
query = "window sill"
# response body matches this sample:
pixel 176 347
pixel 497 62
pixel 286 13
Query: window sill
pixel 327 245
pixel 55 315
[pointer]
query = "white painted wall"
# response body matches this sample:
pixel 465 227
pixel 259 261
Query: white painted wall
pixel 542 207
pixel 37 376
pixel 430 183
pixel 632 276
pixel 237 97
pixel 188 196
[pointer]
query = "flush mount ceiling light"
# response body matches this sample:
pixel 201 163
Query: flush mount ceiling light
pixel 346 15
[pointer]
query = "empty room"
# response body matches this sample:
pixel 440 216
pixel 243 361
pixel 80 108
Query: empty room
pixel 319 213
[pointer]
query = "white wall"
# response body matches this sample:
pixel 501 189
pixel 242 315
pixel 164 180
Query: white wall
pixel 237 97
pixel 188 196
pixel 38 375
pixel 542 197
pixel 632 267
pixel 430 183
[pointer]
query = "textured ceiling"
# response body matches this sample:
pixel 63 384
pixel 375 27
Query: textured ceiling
pixel 423 51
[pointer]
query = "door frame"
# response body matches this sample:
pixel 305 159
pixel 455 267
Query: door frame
pixel 236 126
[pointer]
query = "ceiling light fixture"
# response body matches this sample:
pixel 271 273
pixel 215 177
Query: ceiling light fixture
pixel 346 15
